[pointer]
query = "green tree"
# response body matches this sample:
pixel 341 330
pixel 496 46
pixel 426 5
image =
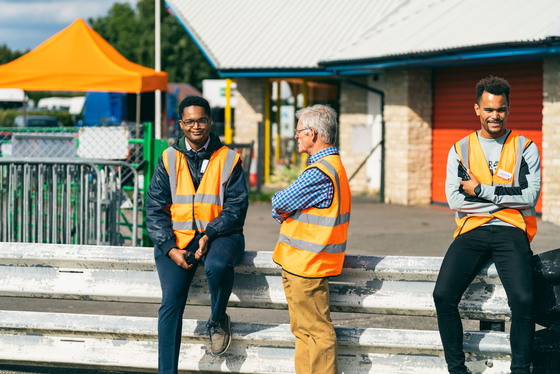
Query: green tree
pixel 7 55
pixel 183 59
pixel 132 34
pixel 119 28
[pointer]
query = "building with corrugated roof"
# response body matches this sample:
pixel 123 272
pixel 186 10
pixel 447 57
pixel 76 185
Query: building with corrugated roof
pixel 400 73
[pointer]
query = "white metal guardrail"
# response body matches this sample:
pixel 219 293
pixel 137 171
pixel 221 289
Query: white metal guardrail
pixel 368 284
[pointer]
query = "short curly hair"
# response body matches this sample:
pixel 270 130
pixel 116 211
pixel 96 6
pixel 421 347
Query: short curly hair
pixel 194 100
pixel 493 85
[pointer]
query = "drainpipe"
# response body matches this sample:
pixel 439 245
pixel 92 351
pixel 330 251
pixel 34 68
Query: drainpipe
pixel 382 142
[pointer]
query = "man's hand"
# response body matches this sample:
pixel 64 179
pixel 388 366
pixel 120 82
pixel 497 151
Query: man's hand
pixel 470 185
pixel 202 247
pixel 178 256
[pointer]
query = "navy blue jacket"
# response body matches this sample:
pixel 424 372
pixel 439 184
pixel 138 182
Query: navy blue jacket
pixel 158 201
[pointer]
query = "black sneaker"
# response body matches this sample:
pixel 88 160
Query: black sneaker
pixel 220 336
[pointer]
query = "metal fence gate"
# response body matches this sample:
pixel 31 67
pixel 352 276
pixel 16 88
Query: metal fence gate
pixel 66 201
pixel 83 197
pixel 57 185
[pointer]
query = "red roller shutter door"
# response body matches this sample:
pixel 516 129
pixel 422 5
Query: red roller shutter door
pixel 454 116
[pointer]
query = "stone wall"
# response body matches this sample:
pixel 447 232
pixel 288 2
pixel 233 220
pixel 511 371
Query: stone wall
pixel 551 141
pixel 408 136
pixel 353 112
pixel 249 109
pixel 408 130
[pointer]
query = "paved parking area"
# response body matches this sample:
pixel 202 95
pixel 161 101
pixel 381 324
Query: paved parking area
pixel 387 229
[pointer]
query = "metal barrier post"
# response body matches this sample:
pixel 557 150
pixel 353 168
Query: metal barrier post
pixel 153 148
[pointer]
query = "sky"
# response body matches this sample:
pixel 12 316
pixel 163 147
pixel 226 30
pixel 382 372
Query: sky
pixel 24 24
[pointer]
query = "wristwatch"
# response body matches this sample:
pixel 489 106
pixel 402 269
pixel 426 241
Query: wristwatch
pixel 477 190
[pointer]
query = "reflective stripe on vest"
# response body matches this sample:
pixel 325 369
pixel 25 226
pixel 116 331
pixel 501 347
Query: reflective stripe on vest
pixel 471 154
pixel 192 209
pixel 312 241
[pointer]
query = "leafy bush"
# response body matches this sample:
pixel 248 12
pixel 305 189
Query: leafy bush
pixel 7 117
pixel 259 197
pixel 285 174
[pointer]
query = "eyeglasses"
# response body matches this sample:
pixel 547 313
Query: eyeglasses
pixel 298 131
pixel 202 122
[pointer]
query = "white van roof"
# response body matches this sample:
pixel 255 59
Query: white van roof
pixel 12 94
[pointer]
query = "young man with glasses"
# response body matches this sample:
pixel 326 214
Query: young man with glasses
pixel 315 213
pixel 195 210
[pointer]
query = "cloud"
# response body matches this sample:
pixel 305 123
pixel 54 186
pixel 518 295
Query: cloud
pixel 51 12
pixel 27 23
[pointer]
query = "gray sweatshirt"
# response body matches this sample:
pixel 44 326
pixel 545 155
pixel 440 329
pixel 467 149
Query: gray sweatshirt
pixel 491 198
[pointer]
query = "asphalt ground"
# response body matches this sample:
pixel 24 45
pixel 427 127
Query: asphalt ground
pixel 375 229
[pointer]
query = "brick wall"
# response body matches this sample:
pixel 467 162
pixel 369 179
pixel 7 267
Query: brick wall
pixel 551 141
pixel 408 136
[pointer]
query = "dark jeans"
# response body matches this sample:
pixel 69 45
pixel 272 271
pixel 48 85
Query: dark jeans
pixel 509 248
pixel 224 253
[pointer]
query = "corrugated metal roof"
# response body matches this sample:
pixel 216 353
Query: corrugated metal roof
pixel 437 25
pixel 298 34
pixel 271 34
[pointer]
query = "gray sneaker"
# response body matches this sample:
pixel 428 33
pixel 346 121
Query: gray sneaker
pixel 220 336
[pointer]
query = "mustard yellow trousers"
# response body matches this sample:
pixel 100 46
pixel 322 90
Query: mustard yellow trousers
pixel 311 324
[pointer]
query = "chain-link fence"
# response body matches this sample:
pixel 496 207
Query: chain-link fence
pixel 98 142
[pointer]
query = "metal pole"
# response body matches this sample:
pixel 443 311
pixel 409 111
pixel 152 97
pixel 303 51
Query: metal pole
pixel 25 191
pixel 136 150
pixel 228 132
pixel 267 137
pixel 277 135
pixel 305 92
pixel 158 68
pixel 41 171
pixel 24 109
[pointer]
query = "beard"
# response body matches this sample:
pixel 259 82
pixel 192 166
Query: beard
pixel 494 127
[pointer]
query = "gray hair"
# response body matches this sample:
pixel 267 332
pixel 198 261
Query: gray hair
pixel 322 119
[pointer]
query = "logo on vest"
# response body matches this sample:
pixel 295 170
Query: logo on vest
pixel 504 174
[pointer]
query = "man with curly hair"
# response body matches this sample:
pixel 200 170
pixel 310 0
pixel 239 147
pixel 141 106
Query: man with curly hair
pixel 493 183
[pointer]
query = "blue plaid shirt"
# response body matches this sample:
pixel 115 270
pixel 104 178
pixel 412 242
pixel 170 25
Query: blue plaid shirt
pixel 311 189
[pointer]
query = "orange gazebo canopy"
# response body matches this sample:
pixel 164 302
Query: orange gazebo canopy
pixel 79 59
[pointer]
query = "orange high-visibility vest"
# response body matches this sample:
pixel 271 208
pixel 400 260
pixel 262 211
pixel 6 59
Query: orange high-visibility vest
pixel 312 241
pixel 472 156
pixel 192 210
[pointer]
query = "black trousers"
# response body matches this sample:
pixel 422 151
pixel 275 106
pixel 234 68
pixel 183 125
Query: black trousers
pixel 511 252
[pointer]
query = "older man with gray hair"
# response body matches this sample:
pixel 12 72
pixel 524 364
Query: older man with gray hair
pixel 315 213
